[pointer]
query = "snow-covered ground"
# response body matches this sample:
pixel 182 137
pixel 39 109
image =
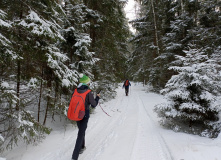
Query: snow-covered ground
pixel 131 133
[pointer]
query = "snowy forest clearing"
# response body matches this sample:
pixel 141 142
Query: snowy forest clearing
pixel 131 133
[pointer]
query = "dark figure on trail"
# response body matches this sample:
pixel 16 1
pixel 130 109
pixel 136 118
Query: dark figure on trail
pixel 126 85
pixel 83 88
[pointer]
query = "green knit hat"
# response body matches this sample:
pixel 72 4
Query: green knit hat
pixel 84 79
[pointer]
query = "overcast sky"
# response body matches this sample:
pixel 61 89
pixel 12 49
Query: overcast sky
pixel 130 11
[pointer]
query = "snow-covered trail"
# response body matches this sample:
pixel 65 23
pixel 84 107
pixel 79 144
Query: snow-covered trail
pixel 131 133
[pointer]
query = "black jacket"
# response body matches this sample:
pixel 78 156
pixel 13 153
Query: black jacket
pixel 89 100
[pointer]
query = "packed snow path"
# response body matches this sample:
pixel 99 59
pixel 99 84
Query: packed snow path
pixel 131 133
pixel 128 134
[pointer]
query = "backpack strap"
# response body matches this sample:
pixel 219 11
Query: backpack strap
pixel 86 92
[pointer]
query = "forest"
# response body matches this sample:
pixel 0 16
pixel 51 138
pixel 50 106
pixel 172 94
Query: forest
pixel 46 44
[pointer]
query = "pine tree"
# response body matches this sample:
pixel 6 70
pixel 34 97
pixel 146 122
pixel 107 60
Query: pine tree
pixel 151 27
pixel 109 42
pixel 5 44
pixel 7 96
pixel 162 33
pixel 78 40
pixel 38 65
pixel 175 38
pixel 193 95
pixel 142 42
pixel 44 46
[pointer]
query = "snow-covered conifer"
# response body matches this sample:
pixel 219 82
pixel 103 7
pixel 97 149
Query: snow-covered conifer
pixel 193 95
pixel 78 41
pixel 37 71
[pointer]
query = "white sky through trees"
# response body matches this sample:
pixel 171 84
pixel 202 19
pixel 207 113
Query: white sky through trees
pixel 130 10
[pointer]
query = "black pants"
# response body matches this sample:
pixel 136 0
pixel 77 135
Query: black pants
pixel 80 142
pixel 126 90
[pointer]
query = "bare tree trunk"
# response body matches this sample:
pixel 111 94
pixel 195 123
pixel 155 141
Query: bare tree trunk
pixel 182 7
pixel 18 84
pixel 55 100
pixel 47 108
pixel 155 28
pixel 39 102
pixel 19 70
pixel 196 13
pixel 49 78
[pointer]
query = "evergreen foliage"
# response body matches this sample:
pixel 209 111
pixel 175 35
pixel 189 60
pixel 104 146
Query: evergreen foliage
pixel 44 46
pixel 109 42
pixel 193 95
pixel 164 29
pixel 168 31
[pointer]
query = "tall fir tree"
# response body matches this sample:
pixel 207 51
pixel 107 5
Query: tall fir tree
pixel 109 42
pixel 44 46
pixel 161 34
pixel 151 25
pixel 37 65
pixel 193 94
pixel 78 40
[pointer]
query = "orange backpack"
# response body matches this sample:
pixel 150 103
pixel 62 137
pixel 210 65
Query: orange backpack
pixel 76 110
pixel 127 83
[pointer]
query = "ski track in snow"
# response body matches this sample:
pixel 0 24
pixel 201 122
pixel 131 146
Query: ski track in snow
pixel 129 134
pixel 150 138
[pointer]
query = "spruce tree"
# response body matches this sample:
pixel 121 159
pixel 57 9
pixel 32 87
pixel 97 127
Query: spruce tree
pixel 109 42
pixel 151 25
pixel 7 96
pixel 36 63
pixel 193 95
pixel 142 41
pixel 77 38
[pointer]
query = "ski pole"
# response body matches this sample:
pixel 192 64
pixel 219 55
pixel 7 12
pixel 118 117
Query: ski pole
pixel 100 105
pixel 130 90
pixel 103 110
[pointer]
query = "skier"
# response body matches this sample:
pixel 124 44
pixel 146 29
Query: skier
pixel 82 124
pixel 126 85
